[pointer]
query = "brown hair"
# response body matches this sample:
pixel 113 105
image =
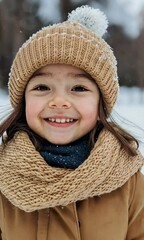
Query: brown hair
pixel 17 122
pixel 122 135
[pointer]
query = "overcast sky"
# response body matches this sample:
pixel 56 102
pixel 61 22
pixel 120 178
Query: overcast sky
pixel 126 13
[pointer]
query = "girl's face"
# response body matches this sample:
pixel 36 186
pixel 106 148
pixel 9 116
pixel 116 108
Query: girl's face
pixel 62 103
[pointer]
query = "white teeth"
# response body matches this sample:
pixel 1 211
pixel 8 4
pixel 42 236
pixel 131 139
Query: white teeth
pixel 67 120
pixel 57 120
pixel 61 120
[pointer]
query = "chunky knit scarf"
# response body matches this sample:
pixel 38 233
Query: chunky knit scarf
pixel 31 184
pixel 69 156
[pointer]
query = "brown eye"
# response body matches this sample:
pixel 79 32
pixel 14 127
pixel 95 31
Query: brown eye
pixel 42 88
pixel 79 89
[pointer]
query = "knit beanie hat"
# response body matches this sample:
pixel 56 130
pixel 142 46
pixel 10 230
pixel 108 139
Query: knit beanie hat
pixel 77 41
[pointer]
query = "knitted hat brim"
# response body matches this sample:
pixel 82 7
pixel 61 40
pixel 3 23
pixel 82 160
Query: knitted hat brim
pixel 90 53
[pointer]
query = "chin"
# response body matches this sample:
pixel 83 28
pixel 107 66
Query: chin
pixel 59 142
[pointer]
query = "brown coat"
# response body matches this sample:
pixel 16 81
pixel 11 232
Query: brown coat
pixel 118 215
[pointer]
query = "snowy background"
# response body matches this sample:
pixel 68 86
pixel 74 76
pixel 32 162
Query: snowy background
pixel 129 111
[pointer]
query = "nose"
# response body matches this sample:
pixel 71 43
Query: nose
pixel 59 102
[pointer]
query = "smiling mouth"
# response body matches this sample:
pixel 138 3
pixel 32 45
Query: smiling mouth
pixel 61 120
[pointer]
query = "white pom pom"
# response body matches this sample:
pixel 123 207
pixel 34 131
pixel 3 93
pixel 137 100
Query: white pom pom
pixel 91 18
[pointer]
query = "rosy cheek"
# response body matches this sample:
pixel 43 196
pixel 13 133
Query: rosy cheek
pixel 30 110
pixel 92 108
pixel 92 116
pixel 29 115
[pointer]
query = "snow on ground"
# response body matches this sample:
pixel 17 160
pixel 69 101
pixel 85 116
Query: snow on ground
pixel 130 106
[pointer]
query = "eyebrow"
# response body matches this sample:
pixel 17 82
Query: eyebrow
pixel 71 74
pixel 84 75
pixel 42 73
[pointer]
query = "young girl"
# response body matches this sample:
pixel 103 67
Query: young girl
pixel 66 171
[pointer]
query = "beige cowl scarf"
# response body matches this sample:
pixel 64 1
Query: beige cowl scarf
pixel 30 184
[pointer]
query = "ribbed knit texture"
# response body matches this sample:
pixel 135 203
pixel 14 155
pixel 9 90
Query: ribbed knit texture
pixel 68 43
pixel 66 156
pixel 30 184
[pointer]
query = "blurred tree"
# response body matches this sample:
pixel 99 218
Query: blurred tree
pixel 18 20
pixel 139 59
pixel 68 5
pixel 130 56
